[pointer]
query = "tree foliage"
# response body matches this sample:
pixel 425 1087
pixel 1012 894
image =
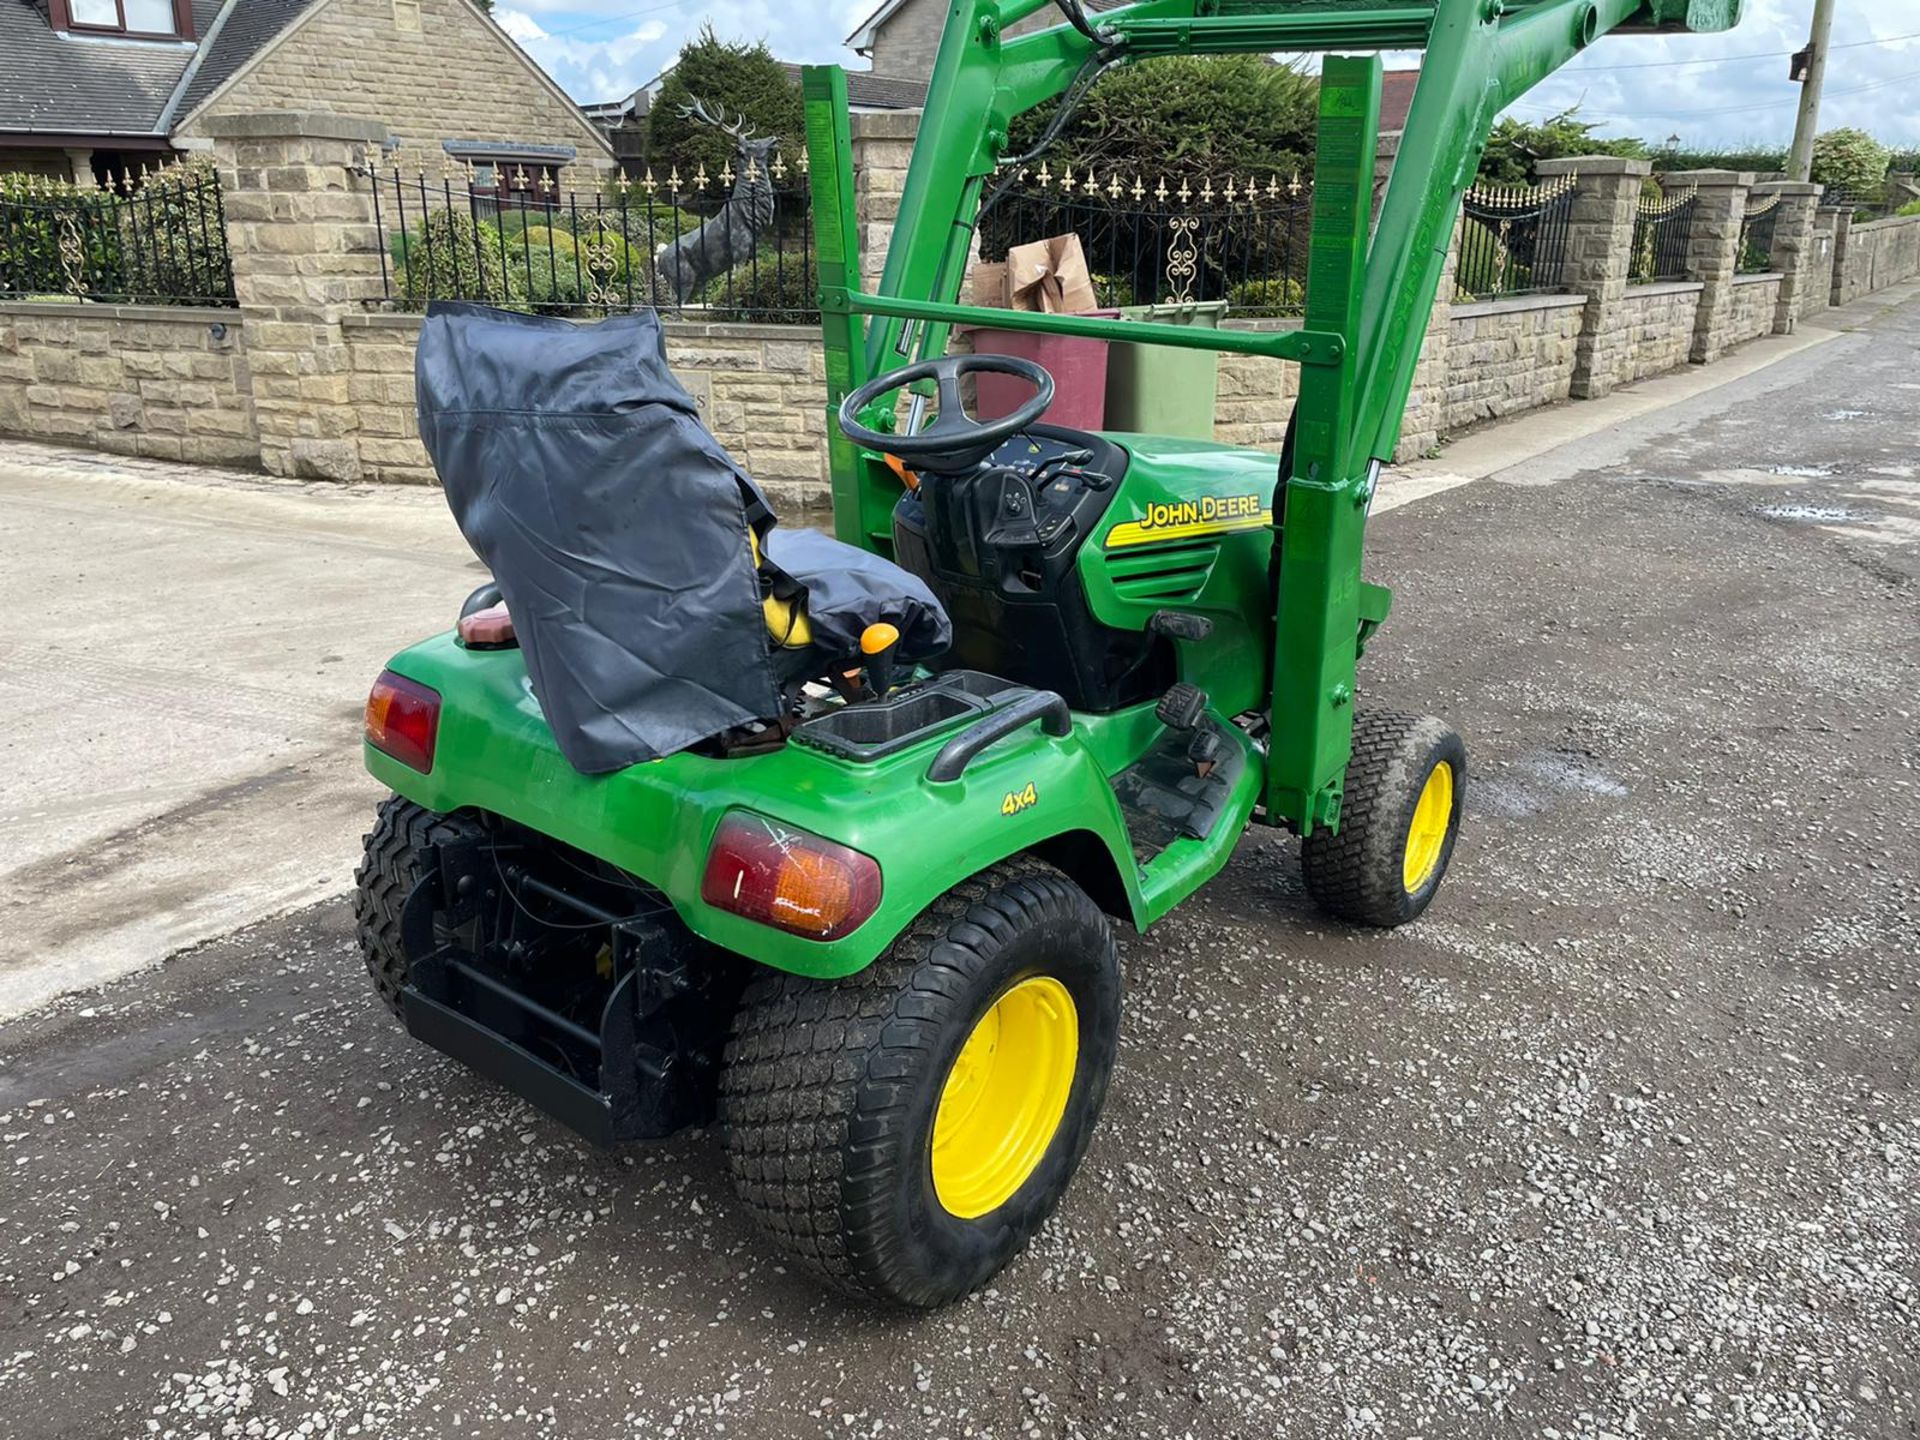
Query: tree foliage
pixel 746 79
pixel 1186 117
pixel 1850 161
pixel 1515 145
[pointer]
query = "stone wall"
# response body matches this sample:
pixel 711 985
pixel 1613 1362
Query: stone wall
pixel 429 70
pixel 1659 323
pixel 309 377
pixel 1755 298
pixel 1510 355
pixel 761 390
pixel 1254 397
pixel 1874 255
pixel 165 381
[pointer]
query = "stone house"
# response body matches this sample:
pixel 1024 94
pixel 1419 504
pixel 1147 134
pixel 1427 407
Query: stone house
pixel 625 119
pixel 901 37
pixel 95 88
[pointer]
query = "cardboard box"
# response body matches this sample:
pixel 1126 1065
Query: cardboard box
pixel 1049 276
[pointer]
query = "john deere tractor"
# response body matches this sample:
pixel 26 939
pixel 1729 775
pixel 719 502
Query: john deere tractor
pixel 829 835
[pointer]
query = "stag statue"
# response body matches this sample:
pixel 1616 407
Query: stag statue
pixel 730 237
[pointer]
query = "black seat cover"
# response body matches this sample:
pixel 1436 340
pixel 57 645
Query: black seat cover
pixel 616 527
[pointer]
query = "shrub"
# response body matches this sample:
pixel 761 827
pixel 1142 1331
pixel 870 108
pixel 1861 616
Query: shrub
pixel 746 79
pixel 1275 295
pixel 559 269
pixel 1852 162
pixel 172 239
pixel 455 257
pixel 1912 207
pixel 772 290
pixel 1514 145
pixel 32 212
pixel 1112 289
pixel 1487 266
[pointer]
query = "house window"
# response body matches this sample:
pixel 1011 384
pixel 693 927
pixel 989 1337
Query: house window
pixel 130 17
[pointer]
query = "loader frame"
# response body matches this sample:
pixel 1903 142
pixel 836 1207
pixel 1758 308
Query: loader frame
pixel 1370 283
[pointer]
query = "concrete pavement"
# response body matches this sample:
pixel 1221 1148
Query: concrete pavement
pixel 183 658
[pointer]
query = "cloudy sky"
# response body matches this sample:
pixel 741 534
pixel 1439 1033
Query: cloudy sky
pixel 1720 89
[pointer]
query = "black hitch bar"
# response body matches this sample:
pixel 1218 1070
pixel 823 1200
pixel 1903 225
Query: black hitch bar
pixel 642 1068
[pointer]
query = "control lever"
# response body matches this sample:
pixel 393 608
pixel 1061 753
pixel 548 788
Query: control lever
pixel 1204 751
pixel 878 643
pixel 1180 625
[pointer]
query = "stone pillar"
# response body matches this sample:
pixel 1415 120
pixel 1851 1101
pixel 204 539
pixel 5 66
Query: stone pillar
pixel 1903 188
pixel 882 148
pixel 1598 255
pixel 1796 249
pixel 80 165
pixel 1713 252
pixel 306 252
pixel 1817 293
pixel 1842 217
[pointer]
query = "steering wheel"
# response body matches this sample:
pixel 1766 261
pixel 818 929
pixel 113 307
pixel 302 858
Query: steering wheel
pixel 955 442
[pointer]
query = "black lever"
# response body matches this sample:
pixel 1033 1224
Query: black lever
pixel 1180 625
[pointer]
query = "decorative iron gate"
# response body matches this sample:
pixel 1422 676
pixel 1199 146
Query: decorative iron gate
pixel 1662 230
pixel 1513 239
pixel 1756 234
pixel 159 238
pixel 736 245
pixel 1244 241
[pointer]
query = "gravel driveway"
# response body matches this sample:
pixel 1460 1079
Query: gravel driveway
pixel 1620 1140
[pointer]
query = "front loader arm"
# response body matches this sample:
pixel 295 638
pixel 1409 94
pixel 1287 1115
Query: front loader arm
pixel 1368 297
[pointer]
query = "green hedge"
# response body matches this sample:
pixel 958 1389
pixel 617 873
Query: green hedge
pixel 1268 298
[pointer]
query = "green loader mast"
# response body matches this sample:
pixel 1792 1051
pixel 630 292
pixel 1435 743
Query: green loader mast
pixel 1370 285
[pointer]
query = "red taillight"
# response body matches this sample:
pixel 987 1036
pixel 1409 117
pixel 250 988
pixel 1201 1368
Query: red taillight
pixel 788 878
pixel 403 718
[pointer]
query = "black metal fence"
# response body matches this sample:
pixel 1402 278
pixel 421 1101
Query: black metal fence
pixel 1513 239
pixel 1662 231
pixel 160 239
pixel 732 246
pixel 1756 234
pixel 1244 242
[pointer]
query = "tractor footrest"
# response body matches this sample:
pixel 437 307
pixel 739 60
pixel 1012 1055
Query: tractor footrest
pixel 1166 798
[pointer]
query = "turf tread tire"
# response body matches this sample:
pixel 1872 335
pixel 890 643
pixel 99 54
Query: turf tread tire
pixel 1356 874
pixel 824 1090
pixel 389 869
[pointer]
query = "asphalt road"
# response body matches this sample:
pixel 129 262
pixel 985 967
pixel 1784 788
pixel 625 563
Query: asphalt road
pixel 1621 1139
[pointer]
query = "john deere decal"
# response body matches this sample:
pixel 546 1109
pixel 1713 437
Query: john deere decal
pixel 1190 519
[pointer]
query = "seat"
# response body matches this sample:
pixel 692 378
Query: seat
pixel 822 594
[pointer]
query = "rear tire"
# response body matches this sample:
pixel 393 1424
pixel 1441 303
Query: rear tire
pixel 1399 818
pixel 835 1093
pixel 389 869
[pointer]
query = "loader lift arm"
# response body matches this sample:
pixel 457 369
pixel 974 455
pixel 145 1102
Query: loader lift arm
pixel 1368 296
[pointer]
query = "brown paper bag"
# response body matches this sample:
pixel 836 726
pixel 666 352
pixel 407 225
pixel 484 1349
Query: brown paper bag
pixel 1051 276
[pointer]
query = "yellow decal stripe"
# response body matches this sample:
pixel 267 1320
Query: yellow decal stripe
pixel 1138 532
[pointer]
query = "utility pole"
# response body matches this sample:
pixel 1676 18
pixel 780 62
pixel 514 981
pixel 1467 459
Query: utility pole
pixel 1800 163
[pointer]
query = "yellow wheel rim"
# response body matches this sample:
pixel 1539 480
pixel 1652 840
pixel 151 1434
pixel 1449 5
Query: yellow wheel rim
pixel 1428 832
pixel 1004 1097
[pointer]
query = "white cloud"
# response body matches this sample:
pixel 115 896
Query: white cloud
pixel 600 49
pixel 1734 88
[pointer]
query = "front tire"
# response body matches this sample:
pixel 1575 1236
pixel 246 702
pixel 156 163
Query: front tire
pixel 1399 818
pixel 905 1131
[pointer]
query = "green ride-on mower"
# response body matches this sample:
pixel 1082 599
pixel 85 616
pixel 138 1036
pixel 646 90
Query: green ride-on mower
pixel 868 914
